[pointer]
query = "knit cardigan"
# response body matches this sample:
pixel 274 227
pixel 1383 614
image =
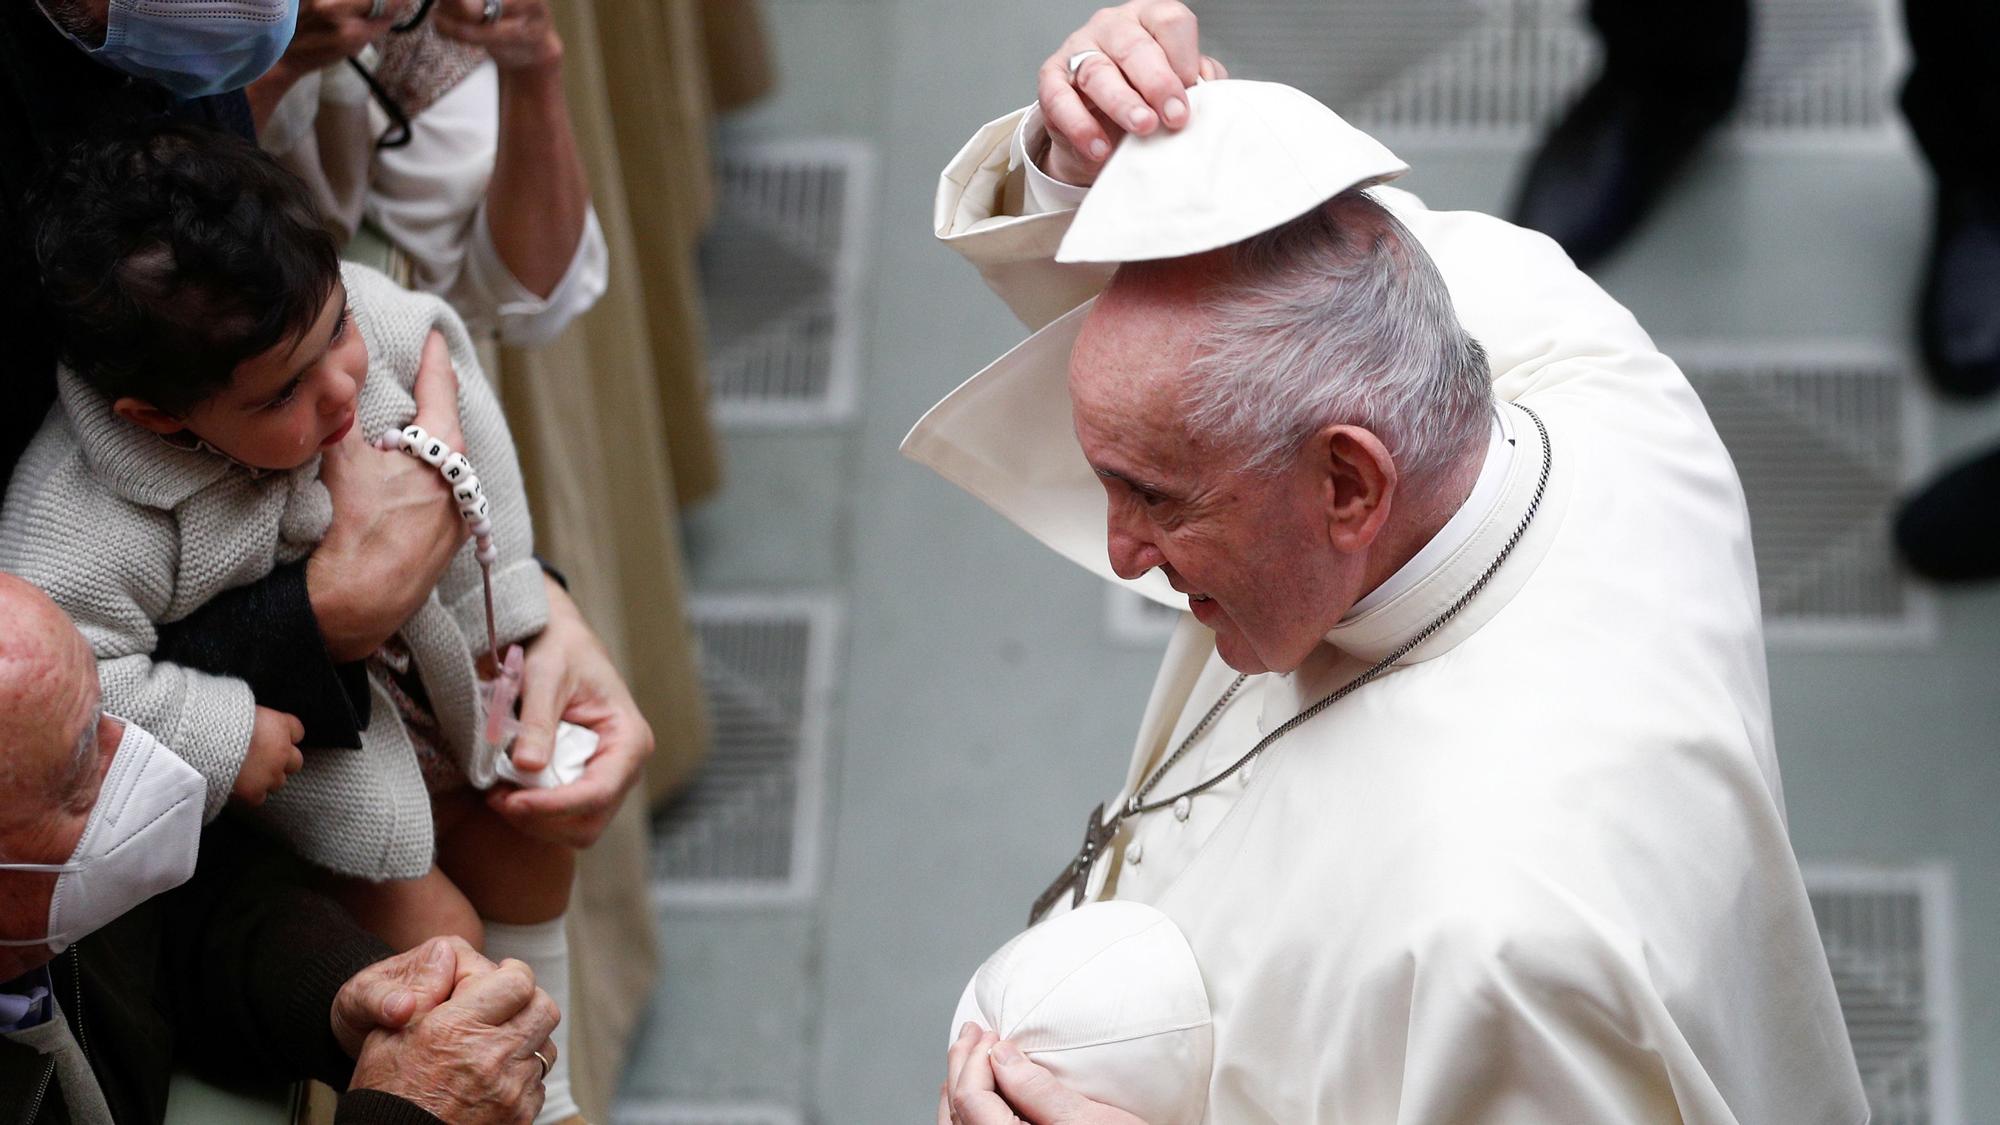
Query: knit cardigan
pixel 126 532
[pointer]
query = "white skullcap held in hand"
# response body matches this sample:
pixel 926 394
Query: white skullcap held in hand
pixel 1253 156
pixel 1109 999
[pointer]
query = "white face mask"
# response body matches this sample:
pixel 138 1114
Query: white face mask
pixel 140 840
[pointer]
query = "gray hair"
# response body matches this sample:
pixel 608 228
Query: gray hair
pixel 67 786
pixel 72 783
pixel 1338 317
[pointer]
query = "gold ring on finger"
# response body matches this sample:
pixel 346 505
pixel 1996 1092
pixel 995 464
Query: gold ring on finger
pixel 544 1060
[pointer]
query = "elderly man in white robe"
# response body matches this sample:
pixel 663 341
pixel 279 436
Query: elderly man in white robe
pixel 1458 776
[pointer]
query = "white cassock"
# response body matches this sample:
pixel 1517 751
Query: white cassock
pixel 1538 871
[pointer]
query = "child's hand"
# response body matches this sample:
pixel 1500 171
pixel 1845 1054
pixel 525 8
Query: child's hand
pixel 274 756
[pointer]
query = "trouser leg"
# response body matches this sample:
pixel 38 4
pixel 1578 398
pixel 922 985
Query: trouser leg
pixel 1672 69
pixel 1952 97
pixel 1691 49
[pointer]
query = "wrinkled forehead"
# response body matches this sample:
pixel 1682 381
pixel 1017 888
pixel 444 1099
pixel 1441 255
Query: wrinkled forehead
pixel 1134 350
pixel 1121 397
pixel 1130 405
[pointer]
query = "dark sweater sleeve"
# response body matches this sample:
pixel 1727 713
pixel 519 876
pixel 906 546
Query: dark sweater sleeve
pixel 265 635
pixel 253 958
pixel 373 1107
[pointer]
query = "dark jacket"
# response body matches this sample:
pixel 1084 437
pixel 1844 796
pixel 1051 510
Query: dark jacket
pixel 233 974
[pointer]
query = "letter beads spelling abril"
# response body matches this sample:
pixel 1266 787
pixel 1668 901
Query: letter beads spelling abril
pixel 457 472
pixel 471 500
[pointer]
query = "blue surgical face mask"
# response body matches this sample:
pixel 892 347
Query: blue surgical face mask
pixel 195 48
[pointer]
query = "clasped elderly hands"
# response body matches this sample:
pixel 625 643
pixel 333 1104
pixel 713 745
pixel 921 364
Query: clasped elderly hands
pixel 450 1031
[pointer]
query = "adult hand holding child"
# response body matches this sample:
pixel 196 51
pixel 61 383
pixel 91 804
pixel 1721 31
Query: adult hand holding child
pixel 395 525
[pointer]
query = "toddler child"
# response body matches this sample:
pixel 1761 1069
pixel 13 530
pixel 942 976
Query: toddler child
pixel 213 347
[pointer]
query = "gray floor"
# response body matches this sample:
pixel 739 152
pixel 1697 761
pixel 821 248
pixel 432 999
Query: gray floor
pixel 979 705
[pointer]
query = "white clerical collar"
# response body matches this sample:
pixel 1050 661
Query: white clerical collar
pixel 1490 547
pixel 1456 531
pixel 1438 608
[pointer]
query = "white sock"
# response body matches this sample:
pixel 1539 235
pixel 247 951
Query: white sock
pixel 545 948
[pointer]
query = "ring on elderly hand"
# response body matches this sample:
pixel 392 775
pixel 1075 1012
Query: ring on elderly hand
pixel 1077 60
pixel 491 13
pixel 376 8
pixel 544 1060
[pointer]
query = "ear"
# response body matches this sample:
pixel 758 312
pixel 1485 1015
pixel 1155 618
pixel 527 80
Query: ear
pixel 147 416
pixel 1357 485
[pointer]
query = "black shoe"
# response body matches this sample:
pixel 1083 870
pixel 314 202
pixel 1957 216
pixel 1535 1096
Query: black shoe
pixel 1959 321
pixel 1951 530
pixel 1604 166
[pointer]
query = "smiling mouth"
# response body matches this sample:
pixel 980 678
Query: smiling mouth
pixel 1174 580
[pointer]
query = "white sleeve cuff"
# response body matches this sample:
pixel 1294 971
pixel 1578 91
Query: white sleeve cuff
pixel 524 319
pixel 1044 193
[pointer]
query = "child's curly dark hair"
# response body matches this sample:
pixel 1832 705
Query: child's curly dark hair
pixel 170 253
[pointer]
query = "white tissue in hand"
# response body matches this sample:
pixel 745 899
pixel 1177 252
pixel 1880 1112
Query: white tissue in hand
pixel 575 746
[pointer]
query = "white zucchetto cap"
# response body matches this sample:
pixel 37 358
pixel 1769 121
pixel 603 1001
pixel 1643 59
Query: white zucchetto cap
pixel 1253 156
pixel 1109 999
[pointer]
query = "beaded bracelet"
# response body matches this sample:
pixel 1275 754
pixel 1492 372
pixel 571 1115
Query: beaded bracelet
pixel 574 745
pixel 457 472
pixel 472 505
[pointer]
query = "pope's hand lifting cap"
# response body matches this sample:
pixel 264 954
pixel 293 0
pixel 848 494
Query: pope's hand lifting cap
pixel 1253 156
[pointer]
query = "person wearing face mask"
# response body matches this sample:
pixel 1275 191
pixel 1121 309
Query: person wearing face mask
pixel 120 832
pixel 67 65
pixel 69 69
pixel 201 51
pixel 298 636
pixel 110 967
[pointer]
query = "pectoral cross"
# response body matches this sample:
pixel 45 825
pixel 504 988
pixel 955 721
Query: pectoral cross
pixel 1076 877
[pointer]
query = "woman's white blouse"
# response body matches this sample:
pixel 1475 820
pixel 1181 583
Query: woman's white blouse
pixel 429 196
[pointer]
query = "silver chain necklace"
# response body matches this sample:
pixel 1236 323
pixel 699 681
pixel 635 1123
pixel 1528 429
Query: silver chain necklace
pixel 1098 832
